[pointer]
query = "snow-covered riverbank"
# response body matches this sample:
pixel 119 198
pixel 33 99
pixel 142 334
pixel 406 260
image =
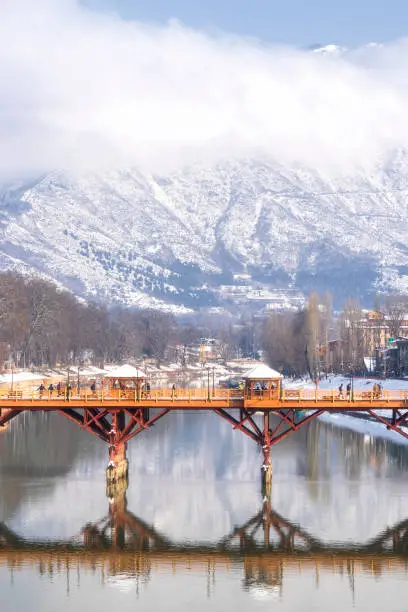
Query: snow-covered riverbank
pixel 361 423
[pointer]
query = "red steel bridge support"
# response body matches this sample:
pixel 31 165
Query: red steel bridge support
pixel 276 426
pixel 113 426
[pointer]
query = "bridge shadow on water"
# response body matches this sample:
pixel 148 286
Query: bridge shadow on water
pixel 265 547
pixel 265 532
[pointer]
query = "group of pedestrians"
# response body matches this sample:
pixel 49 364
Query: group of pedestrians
pixel 59 388
pixel 377 391
pixel 66 390
pixel 348 391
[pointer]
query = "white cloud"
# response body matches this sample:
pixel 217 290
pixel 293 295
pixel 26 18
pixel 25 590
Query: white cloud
pixel 82 88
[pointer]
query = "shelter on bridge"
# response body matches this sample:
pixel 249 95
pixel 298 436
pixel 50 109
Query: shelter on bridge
pixel 262 378
pixel 126 377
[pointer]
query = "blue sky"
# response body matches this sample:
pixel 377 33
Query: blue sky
pixel 298 22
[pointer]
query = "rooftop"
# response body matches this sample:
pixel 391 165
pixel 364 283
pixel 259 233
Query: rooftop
pixel 262 372
pixel 126 371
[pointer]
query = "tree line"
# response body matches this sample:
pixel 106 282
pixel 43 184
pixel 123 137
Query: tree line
pixel 41 324
pixel 291 340
pixel 318 340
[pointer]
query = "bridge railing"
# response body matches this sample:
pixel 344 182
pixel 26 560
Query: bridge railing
pixel 327 395
pixel 333 395
pixel 100 395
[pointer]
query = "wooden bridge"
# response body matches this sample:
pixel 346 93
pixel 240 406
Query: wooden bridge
pixel 264 415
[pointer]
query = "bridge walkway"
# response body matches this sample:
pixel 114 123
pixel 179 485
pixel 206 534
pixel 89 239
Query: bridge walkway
pixel 204 399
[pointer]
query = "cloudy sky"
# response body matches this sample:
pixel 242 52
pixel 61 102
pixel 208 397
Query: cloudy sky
pixel 85 87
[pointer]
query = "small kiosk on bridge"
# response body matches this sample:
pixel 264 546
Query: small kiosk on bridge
pixel 263 381
pixel 126 379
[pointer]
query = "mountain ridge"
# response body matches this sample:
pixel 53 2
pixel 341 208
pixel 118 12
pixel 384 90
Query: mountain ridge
pixel 170 241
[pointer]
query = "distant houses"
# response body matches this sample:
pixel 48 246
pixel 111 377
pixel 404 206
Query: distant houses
pixel 386 339
pixel 392 360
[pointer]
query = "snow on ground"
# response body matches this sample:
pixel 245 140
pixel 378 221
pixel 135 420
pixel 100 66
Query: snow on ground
pixel 17 377
pixel 370 429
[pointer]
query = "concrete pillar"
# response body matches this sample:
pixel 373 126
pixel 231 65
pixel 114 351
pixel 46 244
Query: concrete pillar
pixel 118 466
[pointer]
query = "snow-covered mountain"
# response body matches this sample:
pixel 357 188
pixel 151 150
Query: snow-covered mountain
pixel 172 240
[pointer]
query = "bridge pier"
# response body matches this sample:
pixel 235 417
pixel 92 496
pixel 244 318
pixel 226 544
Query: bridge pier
pixel 118 466
pixel 266 469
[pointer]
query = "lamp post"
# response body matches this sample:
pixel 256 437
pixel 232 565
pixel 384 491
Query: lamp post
pixel 213 381
pixel 208 383
pixel 138 385
pixel 281 383
pixel 351 384
pixel 352 377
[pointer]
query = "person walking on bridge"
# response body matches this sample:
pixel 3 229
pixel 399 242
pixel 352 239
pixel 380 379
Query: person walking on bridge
pixel 341 391
pixel 348 389
pixel 377 390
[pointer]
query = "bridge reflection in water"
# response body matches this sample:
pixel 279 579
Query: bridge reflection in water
pixel 265 548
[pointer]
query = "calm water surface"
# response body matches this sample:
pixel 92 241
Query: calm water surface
pixel 192 528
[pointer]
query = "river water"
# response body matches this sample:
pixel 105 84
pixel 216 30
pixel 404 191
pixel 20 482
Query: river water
pixel 193 532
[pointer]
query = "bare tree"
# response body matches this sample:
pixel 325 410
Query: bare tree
pixel 352 335
pixel 284 341
pixel 312 335
pixel 14 311
pixel 395 309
